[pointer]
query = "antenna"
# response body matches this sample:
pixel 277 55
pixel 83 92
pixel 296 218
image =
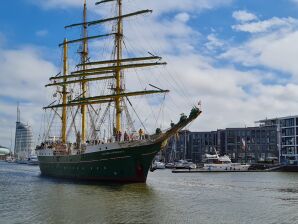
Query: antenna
pixel 18 113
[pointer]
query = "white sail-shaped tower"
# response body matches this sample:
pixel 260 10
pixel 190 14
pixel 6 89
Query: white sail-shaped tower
pixel 23 139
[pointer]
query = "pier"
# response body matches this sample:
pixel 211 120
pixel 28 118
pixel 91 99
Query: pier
pixel 225 171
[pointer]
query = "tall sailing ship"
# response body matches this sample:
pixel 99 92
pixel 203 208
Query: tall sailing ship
pixel 117 152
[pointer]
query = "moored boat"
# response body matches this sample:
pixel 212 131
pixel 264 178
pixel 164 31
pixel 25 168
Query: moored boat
pixel 170 165
pixel 222 163
pixel 184 164
pixel 158 165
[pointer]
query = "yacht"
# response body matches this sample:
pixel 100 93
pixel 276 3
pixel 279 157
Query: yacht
pixel 170 165
pixel 158 165
pixel 222 163
pixel 184 164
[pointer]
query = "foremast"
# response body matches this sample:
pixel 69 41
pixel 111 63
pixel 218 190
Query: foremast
pixel 101 70
pixel 84 58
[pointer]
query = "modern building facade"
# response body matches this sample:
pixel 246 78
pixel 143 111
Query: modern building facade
pixel 287 137
pixel 250 144
pixel 201 143
pixel 23 139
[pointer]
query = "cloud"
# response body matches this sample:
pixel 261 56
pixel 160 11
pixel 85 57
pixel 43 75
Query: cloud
pixel 266 25
pixel 50 4
pixel 28 70
pixel 214 42
pixel 25 73
pixel 158 6
pixel 229 95
pixel 274 49
pixel 182 17
pixel 41 33
pixel 170 35
pixel 244 16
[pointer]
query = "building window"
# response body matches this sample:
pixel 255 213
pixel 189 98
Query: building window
pixel 288 141
pixel 288 122
pixel 288 132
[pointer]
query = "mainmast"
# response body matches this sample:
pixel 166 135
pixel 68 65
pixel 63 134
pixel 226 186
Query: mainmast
pixel 64 91
pixel 84 58
pixel 118 90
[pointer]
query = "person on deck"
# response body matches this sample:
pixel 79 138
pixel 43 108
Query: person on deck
pixel 126 137
pixel 116 136
pixel 119 136
pixel 141 133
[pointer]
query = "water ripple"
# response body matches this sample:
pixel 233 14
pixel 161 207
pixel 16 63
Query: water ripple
pixel 267 198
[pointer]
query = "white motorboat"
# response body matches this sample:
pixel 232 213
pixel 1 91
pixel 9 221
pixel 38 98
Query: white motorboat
pixel 170 165
pixel 158 165
pixel 222 163
pixel 191 165
pixel 184 164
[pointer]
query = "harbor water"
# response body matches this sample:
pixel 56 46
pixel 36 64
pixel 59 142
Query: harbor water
pixel 207 198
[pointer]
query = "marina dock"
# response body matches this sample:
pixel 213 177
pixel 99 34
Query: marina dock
pixel 226 171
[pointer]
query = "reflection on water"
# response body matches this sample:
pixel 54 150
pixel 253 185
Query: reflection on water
pixel 26 197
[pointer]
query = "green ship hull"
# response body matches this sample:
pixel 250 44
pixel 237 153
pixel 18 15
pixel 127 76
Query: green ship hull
pixel 119 165
pixel 129 162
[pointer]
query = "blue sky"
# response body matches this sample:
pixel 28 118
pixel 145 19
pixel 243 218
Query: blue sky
pixel 20 25
pixel 237 56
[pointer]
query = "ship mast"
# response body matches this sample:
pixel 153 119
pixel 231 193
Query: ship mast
pixel 64 91
pixel 118 40
pixel 101 70
pixel 84 58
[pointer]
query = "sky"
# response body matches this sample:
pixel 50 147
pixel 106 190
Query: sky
pixel 238 57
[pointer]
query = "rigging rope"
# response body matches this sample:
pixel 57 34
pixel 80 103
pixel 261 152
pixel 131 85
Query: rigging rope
pixel 73 122
pixel 137 115
pixel 104 116
pixel 93 132
pixel 130 123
